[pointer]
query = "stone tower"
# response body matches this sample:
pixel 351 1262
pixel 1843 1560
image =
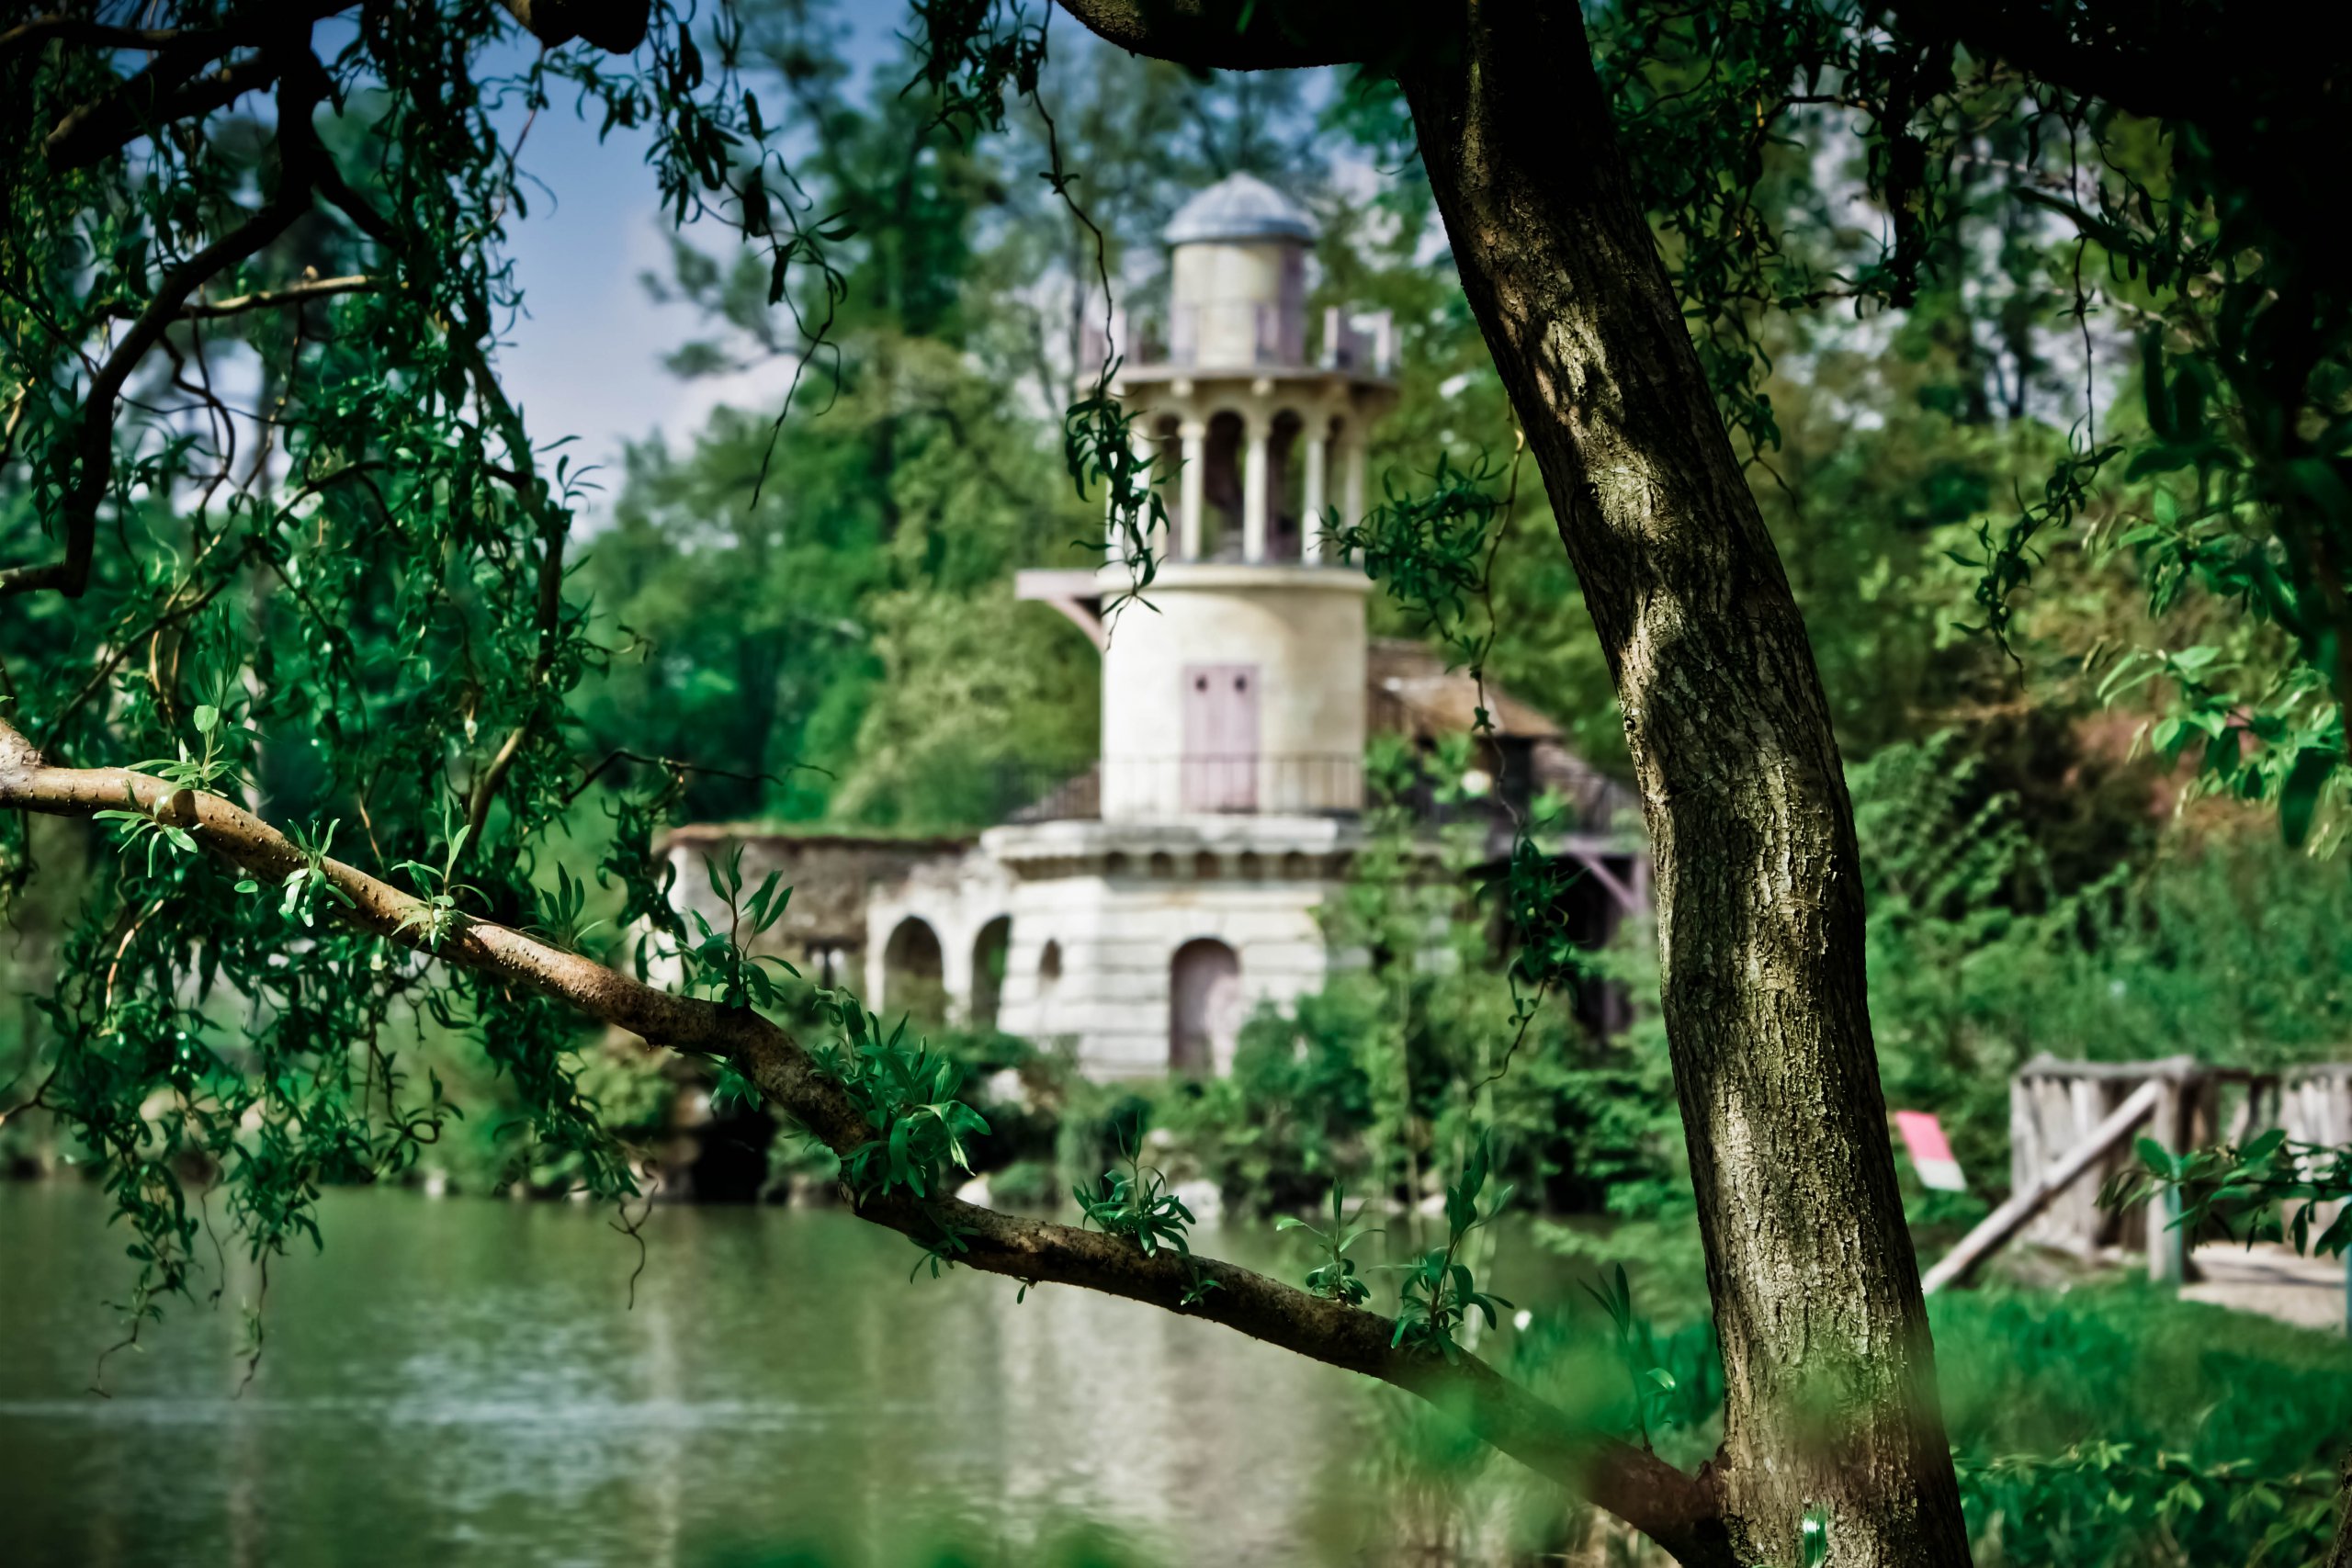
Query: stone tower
pixel 1241 689
pixel 1153 904
pixel 1133 916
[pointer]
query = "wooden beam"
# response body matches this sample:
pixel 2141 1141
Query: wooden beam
pixel 2006 1220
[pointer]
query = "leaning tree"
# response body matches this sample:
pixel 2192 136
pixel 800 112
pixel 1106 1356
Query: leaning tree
pixel 282 574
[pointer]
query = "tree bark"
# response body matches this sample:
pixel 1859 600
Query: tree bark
pixel 1828 1371
pixel 2339 1551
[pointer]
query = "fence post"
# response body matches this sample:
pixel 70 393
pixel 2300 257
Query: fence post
pixel 2167 1261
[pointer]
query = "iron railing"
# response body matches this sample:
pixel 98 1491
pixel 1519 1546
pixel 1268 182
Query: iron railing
pixel 1302 785
pixel 1236 784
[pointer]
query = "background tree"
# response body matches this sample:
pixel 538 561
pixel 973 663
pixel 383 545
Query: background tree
pixel 366 632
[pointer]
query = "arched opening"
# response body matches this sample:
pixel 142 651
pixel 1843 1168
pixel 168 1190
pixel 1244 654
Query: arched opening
pixel 1203 1007
pixel 1334 486
pixel 1285 482
pixel 1162 864
pixel 1167 469
pixel 1221 489
pixel 914 977
pixel 988 950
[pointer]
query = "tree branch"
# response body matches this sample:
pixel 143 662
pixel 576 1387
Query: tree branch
pixel 152 98
pixel 1240 35
pixel 338 194
pixel 2161 63
pixel 40 30
pixel 270 298
pixel 555 526
pixel 1674 1509
pixel 299 155
pixel 616 26
pixel 300 293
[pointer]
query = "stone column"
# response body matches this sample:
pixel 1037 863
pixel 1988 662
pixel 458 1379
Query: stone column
pixel 956 971
pixel 1190 502
pixel 1142 445
pixel 1254 480
pixel 2168 1251
pixel 1310 539
pixel 1352 490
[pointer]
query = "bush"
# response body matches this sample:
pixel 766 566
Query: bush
pixel 2223 946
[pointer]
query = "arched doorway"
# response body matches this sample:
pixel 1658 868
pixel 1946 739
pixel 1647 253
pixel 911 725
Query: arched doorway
pixel 988 951
pixel 915 973
pixel 1203 1007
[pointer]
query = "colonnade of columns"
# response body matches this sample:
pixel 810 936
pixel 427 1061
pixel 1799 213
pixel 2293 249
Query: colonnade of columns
pixel 1318 451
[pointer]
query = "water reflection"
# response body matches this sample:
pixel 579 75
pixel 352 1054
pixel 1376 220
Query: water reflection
pixel 461 1383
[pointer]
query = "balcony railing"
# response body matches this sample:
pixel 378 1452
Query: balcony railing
pixel 1240 332
pixel 1140 788
pixel 1236 784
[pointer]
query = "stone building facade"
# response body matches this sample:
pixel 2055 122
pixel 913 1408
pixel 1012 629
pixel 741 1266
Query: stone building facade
pixel 1135 916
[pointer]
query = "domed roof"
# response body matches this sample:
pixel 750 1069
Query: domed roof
pixel 1239 206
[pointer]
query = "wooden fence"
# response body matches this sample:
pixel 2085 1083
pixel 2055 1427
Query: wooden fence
pixel 2074 1124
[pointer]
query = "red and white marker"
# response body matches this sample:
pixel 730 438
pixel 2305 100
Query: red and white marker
pixel 1930 1151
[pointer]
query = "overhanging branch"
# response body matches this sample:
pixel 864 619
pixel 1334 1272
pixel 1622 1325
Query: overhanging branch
pixel 271 298
pixel 1243 35
pixel 1672 1508
pixel 300 155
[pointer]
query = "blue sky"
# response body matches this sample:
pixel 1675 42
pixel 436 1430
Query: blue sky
pixel 586 359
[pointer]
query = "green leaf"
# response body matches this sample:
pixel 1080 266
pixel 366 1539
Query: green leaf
pixel 206 718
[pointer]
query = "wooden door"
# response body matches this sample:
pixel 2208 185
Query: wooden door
pixel 1220 759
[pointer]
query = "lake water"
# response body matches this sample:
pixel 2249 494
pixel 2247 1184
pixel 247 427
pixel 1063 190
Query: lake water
pixel 462 1382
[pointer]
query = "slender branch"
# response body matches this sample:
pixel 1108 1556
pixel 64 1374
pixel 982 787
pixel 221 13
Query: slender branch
pixel 555 526
pixel 1674 1509
pixel 155 97
pixel 330 184
pixel 271 298
pixel 202 43
pixel 94 34
pixel 623 754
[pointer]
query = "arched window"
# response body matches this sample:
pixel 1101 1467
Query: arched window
pixel 1203 1007
pixel 988 970
pixel 914 974
pixel 1221 465
pixel 1285 486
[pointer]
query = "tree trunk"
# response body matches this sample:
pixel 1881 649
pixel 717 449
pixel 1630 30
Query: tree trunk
pixel 1829 1375
pixel 2339 1551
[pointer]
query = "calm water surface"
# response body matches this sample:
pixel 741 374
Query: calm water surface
pixel 462 1382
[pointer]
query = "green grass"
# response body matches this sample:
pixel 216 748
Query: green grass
pixel 2114 1427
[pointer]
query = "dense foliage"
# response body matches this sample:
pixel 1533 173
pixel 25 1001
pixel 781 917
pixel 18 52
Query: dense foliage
pixel 285 537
